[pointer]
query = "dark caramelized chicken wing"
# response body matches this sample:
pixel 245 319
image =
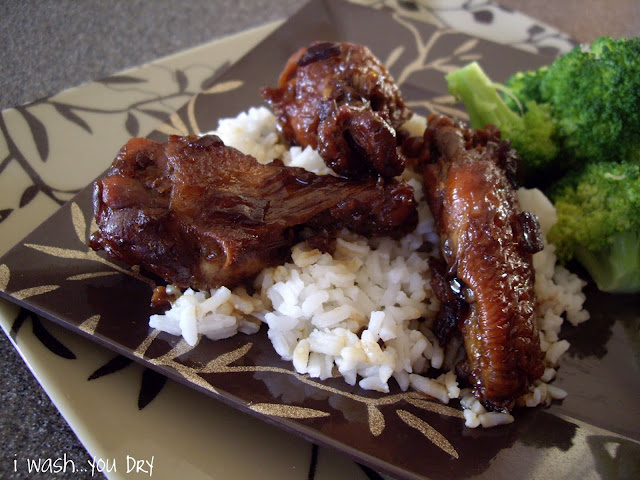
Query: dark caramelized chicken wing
pixel 201 214
pixel 340 99
pixel 486 277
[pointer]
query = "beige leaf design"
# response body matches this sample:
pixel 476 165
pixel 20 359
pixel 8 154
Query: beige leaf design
pixel 33 291
pixel 445 99
pixel 178 350
pixel 90 324
pixel 220 363
pixel 224 87
pixel 169 360
pixel 79 224
pixel 287 411
pixel 447 67
pixel 88 276
pixel 58 252
pixel 175 126
pixel 376 420
pixel 5 274
pixel 428 431
pixel 466 46
pixel 435 407
pixel 191 115
pixel 187 372
pixel 470 57
pixel 193 377
pixel 89 255
pixel 142 348
pixel 444 108
pixel 94 224
pixel 393 56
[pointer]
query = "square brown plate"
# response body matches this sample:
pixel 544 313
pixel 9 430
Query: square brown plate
pixel 594 432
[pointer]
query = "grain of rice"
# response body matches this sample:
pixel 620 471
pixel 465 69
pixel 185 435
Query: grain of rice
pixel 493 419
pixel 555 351
pixel 471 419
pixel 548 375
pixel 451 383
pixel 430 387
pixel 556 393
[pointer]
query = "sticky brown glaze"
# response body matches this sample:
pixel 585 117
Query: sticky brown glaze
pixel 486 278
pixel 201 214
pixel 340 99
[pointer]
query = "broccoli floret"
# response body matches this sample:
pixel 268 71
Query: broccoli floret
pixel 595 98
pixel 530 131
pixel 598 209
pixel 524 86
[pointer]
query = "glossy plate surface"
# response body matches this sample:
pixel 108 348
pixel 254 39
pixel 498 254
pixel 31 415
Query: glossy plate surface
pixel 53 273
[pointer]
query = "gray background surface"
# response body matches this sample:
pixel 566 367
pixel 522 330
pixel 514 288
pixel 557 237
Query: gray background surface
pixel 48 46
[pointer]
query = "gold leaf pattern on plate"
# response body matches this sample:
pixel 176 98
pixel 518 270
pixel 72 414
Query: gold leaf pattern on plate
pixel 377 423
pixel 175 126
pixel 88 276
pixel 168 359
pixel 376 420
pixel 224 87
pixel 287 411
pixel 94 225
pixel 221 362
pixel 90 324
pixel 187 372
pixel 439 108
pixel 90 255
pixel 178 350
pixel 470 57
pixel 428 431
pixel 191 115
pixel 139 351
pixel 435 407
pixel 30 292
pixel 79 224
pixel 395 54
pixel 5 274
pixel 466 46
pixel 64 252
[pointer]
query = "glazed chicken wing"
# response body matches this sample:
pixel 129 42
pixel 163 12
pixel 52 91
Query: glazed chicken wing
pixel 201 214
pixel 486 277
pixel 340 99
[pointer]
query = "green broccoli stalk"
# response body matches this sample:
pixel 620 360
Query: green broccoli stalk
pixel 530 131
pixel 598 209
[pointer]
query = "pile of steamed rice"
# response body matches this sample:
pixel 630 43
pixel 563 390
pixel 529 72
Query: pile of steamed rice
pixel 365 312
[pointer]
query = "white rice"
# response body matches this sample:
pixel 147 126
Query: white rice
pixel 355 310
pixel 219 313
pixel 365 311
